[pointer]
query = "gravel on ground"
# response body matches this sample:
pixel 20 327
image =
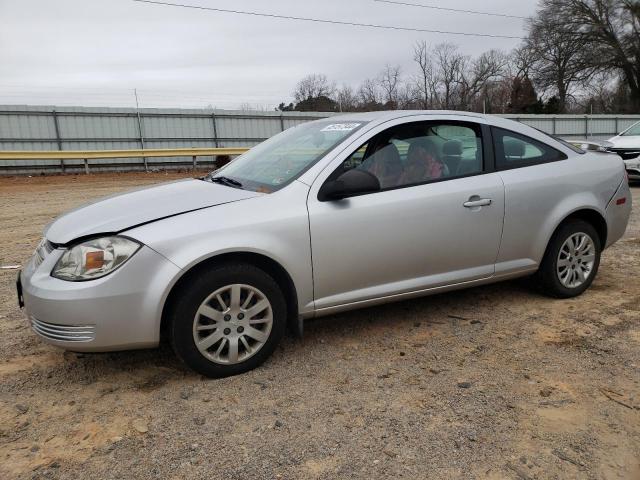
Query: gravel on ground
pixel 492 382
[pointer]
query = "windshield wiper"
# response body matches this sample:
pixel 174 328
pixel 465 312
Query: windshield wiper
pixel 229 182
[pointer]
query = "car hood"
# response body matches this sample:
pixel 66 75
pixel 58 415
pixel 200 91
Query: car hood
pixel 126 210
pixel 632 141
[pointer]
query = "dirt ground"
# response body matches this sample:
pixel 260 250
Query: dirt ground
pixel 493 382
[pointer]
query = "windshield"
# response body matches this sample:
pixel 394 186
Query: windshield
pixel 284 157
pixel 634 130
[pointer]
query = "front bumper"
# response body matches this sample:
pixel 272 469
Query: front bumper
pixel 117 312
pixel 633 168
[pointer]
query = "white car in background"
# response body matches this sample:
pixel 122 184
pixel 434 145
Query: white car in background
pixel 627 145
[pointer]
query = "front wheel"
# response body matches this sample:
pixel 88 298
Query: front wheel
pixel 571 261
pixel 227 320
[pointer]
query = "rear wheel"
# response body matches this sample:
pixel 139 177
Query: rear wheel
pixel 571 261
pixel 227 320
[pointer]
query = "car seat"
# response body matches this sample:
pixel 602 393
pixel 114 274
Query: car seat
pixel 452 154
pixel 513 148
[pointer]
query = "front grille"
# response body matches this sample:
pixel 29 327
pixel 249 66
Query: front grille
pixel 66 333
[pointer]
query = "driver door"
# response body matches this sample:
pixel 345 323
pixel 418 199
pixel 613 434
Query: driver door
pixel 417 234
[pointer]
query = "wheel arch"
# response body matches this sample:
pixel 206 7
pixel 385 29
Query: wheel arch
pixel 547 274
pixel 589 215
pixel 264 262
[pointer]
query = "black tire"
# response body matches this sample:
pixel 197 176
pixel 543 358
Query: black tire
pixel 547 277
pixel 193 293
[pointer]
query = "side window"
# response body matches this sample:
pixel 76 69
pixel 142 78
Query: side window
pixel 356 158
pixel 514 150
pixel 420 152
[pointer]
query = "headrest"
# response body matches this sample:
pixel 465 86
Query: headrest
pixel 513 148
pixel 423 142
pixel 452 147
pixel 390 152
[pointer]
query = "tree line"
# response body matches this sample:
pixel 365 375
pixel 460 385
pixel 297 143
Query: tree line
pixel 579 56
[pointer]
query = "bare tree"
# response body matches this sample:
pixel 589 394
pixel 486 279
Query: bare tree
pixel 522 60
pixel 562 62
pixel 451 65
pixel 607 30
pixel 313 86
pixel 347 100
pixel 487 68
pixel 495 96
pixel 409 96
pixel 426 80
pixel 569 42
pixel 389 80
pixel 599 93
pixel 369 94
pixel 448 79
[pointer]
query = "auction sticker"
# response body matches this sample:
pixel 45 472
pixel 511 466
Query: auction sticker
pixel 340 127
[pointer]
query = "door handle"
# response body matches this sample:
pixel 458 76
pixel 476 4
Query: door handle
pixel 477 202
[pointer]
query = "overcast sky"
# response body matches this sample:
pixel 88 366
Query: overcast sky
pixel 95 52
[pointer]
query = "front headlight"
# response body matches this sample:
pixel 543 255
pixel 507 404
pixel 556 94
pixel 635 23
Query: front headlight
pixel 589 146
pixel 94 258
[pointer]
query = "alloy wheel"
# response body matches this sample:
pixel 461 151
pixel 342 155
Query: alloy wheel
pixel 575 260
pixel 232 324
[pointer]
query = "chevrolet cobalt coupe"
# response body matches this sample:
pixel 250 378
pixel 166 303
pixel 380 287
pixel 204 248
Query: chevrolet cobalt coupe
pixel 336 214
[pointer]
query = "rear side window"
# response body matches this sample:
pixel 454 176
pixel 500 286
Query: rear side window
pixel 570 146
pixel 514 150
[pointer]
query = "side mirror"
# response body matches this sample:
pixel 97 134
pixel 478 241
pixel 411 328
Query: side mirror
pixel 350 183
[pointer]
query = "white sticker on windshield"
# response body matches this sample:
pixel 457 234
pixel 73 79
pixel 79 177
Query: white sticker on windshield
pixel 340 127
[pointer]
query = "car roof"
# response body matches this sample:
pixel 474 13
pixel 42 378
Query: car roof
pixel 384 115
pixel 379 117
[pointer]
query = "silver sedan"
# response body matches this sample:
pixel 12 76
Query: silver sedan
pixel 336 214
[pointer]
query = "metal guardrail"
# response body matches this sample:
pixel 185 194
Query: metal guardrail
pixel 135 153
pixel 87 155
pixel 182 137
pixel 90 128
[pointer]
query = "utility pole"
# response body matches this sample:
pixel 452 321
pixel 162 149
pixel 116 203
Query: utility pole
pixel 144 159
